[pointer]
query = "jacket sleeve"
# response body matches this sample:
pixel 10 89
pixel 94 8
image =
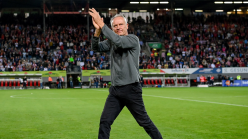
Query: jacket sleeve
pixel 103 46
pixel 124 42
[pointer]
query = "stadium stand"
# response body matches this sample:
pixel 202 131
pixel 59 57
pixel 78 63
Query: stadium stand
pixel 222 43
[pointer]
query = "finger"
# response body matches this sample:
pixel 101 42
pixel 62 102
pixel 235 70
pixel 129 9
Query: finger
pixel 91 14
pixel 94 9
pixel 91 11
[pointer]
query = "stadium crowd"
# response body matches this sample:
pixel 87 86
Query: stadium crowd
pixel 204 42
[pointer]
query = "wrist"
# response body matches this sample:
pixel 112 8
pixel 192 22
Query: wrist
pixel 97 32
pixel 101 25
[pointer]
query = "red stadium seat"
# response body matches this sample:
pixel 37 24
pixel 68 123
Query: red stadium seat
pixel 185 81
pixel 6 83
pixel 30 83
pixel 168 81
pixel 145 82
pixel 149 83
pixel 35 83
pixel 152 81
pixel 26 83
pixel 1 83
pixel 160 82
pixel 165 81
pixel 14 83
pixel 18 83
pixel 39 83
pixel 172 81
pixel 156 81
pixel 10 83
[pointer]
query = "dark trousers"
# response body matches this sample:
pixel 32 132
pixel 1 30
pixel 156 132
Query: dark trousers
pixel 212 82
pixel 131 97
pixel 49 84
pixel 62 85
pixel 24 85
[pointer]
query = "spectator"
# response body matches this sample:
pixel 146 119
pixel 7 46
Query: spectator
pixel 50 80
pixel 196 44
pixel 212 65
pixel 41 83
pixel 71 81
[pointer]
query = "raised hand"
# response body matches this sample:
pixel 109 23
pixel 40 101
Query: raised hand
pixel 95 24
pixel 98 29
pixel 96 18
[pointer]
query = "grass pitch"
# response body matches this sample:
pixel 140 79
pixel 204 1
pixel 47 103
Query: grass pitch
pixel 179 113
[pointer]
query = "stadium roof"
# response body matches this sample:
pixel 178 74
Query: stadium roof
pixel 75 5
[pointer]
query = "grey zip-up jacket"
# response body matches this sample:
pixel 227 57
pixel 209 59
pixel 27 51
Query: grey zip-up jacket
pixel 124 52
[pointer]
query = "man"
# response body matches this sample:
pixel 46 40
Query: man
pixel 125 89
pixel 96 80
pixel 231 80
pixel 62 82
pixel 79 80
pixel 208 79
pixel 105 85
pixel 58 82
pixel 202 78
pixel 212 65
pixel 212 80
pixel 50 80
pixel 141 80
pixel 198 79
pixel 24 82
pixel 101 82
pixel 71 82
pixel 41 81
pixel 71 60
pixel 21 83
pixel 238 77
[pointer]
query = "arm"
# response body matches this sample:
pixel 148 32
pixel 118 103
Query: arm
pixel 124 42
pixel 100 47
pixel 96 46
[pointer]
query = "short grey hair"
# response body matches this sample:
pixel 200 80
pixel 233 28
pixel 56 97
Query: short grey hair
pixel 117 15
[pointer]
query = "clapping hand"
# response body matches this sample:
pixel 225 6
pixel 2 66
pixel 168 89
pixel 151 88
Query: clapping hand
pixel 96 19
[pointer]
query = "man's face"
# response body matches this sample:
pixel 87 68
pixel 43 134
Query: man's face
pixel 119 26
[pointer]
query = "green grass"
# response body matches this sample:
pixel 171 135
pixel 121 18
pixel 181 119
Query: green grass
pixel 179 113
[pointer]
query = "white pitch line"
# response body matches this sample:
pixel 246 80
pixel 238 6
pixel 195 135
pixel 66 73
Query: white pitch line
pixel 42 98
pixel 56 98
pixel 18 96
pixel 198 101
pixel 190 99
pixel 100 90
pixel 25 95
pixel 216 97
